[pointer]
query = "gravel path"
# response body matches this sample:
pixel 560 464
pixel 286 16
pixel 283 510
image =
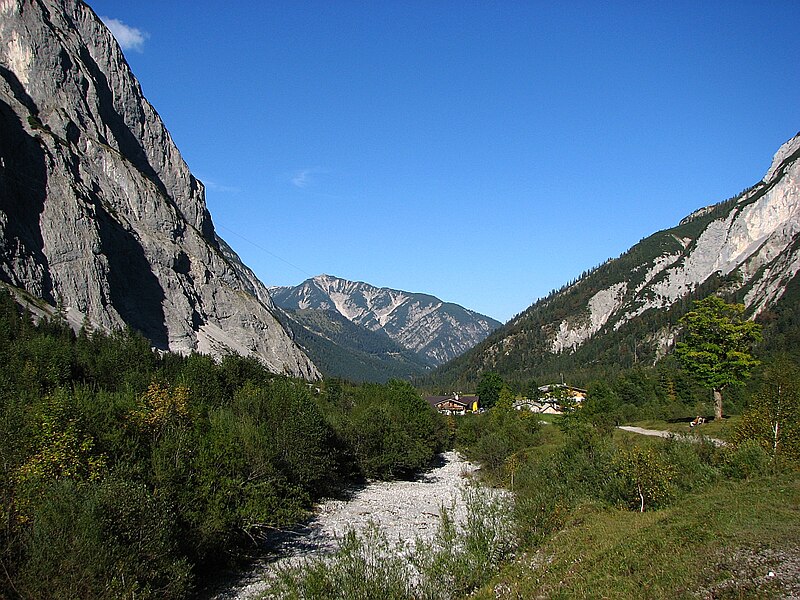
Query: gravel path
pixel 404 510
pixel 667 434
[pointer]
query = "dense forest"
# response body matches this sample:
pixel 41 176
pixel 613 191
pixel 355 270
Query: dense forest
pixel 340 348
pixel 131 473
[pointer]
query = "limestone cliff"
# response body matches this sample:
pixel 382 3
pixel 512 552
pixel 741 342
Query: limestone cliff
pixel 750 243
pixel 746 249
pixel 98 211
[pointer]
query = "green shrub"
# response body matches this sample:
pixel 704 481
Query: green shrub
pixel 745 460
pixel 692 465
pixel 363 566
pixel 494 437
pixel 460 558
pixel 772 417
pixel 464 556
pixel 101 540
pixel 393 432
pixel 642 479
pixel 542 501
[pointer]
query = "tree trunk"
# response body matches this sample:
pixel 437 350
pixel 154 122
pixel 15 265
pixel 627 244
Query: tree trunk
pixel 717 404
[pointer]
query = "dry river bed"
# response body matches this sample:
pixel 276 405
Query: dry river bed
pixel 404 510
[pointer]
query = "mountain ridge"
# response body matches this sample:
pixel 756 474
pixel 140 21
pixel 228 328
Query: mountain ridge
pixel 433 329
pixel 100 214
pixel 342 349
pixel 746 248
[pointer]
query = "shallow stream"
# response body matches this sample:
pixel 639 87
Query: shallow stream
pixel 404 510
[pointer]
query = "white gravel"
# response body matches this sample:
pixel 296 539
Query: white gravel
pixel 404 510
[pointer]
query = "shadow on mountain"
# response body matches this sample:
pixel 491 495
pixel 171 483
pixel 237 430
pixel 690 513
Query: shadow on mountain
pixel 135 291
pixel 23 191
pixel 128 144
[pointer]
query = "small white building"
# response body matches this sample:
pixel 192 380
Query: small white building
pixel 538 406
pixel 550 398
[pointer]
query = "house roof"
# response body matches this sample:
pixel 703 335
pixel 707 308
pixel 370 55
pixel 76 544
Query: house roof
pixel 465 401
pixel 552 386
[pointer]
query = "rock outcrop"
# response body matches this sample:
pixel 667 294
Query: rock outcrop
pixel 626 310
pixel 750 243
pixel 436 331
pixel 98 211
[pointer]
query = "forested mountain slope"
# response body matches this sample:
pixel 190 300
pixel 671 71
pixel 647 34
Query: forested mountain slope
pixel 626 310
pixel 341 348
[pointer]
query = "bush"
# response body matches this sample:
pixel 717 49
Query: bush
pixel 494 437
pixel 772 417
pixel 642 479
pixel 123 467
pixel 745 460
pixel 393 432
pixel 101 540
pixel 457 561
pixel 464 556
pixel 542 501
pixel 363 566
pixel 691 462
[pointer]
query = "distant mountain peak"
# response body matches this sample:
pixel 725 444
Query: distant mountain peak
pixel 437 331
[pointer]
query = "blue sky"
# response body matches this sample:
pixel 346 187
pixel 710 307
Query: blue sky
pixel 483 152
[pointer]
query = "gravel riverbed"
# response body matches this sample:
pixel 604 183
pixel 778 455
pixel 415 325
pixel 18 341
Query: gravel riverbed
pixel 404 510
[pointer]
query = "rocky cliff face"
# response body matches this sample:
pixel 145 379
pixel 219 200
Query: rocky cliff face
pixel 437 331
pixel 746 249
pixel 751 244
pixel 99 212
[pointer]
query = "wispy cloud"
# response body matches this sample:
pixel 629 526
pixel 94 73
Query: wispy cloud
pixel 129 38
pixel 219 187
pixel 305 177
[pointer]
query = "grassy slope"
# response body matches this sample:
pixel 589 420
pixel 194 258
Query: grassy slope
pixel 720 543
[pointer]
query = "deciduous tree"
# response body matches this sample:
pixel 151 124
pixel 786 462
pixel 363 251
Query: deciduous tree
pixel 772 417
pixel 489 389
pixel 716 347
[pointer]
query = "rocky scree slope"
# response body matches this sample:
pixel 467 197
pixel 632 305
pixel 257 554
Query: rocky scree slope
pixel 436 331
pixel 746 249
pixel 98 211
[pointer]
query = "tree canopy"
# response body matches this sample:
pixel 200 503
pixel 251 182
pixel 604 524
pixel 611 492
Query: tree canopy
pixel 717 343
pixel 489 389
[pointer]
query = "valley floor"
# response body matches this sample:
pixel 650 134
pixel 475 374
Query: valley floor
pixel 403 510
pixel 736 539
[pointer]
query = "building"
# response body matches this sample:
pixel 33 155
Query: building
pixel 454 404
pixel 551 399
pixel 537 406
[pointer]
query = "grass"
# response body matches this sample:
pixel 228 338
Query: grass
pixel 720 543
pixel 551 419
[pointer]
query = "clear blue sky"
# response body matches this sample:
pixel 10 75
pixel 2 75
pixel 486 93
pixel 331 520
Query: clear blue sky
pixel 483 152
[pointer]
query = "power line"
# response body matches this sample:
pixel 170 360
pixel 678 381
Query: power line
pixel 260 247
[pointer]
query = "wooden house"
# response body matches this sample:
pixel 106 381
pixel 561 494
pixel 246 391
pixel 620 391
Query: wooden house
pixel 454 404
